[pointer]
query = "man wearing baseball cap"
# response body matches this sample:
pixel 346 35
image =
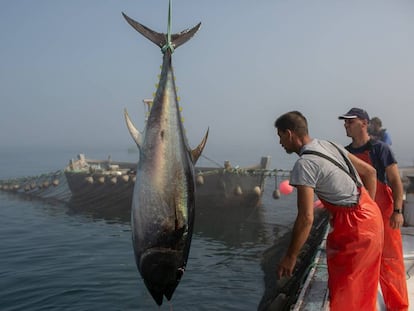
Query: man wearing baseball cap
pixel 389 198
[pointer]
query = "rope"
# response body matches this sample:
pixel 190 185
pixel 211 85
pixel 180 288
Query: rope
pixel 246 172
pixel 168 45
pixel 30 178
pixel 50 186
pixel 211 160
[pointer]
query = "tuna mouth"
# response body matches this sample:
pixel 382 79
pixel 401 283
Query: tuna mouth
pixel 161 269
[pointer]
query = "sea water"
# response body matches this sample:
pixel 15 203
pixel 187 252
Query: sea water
pixel 54 259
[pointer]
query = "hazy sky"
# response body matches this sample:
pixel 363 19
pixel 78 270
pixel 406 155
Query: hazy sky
pixel 69 68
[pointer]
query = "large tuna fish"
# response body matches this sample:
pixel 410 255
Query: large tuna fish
pixel 162 214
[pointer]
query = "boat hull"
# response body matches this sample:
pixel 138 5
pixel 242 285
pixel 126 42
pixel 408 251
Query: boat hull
pixel 113 186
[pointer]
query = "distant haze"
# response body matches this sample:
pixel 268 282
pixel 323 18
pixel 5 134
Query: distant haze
pixel 69 68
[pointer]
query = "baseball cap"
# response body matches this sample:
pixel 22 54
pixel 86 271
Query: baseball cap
pixel 355 113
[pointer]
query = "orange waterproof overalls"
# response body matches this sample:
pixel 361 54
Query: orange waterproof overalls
pixel 353 250
pixel 392 274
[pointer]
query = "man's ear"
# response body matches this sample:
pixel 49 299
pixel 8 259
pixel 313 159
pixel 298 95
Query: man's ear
pixel 290 134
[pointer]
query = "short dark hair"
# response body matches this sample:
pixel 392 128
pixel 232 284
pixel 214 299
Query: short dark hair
pixel 294 121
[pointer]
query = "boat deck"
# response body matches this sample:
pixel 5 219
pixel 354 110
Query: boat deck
pixel 314 294
pixel 408 246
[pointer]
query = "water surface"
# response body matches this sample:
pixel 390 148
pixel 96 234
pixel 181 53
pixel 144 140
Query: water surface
pixel 55 258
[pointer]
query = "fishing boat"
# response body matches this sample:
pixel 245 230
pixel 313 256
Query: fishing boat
pixel 103 188
pixel 113 181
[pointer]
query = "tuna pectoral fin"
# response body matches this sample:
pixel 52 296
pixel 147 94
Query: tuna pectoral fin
pixel 195 153
pixel 136 135
pixel 161 269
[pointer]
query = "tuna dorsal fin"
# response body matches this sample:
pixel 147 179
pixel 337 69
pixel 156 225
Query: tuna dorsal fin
pixel 195 153
pixel 160 39
pixel 136 135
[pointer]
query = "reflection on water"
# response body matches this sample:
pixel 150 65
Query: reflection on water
pixel 232 225
pixel 110 211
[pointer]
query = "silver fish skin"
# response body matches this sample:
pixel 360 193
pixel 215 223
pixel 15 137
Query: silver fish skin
pixel 162 214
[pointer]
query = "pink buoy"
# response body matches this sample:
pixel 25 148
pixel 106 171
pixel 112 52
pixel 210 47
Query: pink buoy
pixel 285 188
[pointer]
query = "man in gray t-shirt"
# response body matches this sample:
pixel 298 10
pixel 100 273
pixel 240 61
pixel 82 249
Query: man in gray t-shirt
pixel 316 172
pixel 355 240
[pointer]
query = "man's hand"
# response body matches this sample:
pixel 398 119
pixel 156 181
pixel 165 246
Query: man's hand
pixel 396 220
pixel 286 266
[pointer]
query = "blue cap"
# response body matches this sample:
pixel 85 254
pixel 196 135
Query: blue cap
pixel 355 113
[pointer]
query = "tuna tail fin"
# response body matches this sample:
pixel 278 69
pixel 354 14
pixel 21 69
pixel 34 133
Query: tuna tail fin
pixel 161 39
pixel 136 135
pixel 195 153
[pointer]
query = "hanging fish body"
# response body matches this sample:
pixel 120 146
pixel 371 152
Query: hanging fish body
pixel 162 214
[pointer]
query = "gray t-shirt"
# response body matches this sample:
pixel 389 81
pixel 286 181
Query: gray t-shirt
pixel 329 182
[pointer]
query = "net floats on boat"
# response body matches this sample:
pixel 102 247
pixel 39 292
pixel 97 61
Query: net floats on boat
pixel 200 180
pixel 109 178
pixel 238 190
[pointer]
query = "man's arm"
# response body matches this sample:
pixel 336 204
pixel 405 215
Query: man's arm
pixel 367 173
pixel 394 180
pixel 301 230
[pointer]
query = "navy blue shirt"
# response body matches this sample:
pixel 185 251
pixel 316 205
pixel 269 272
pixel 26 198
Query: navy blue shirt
pixel 380 154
